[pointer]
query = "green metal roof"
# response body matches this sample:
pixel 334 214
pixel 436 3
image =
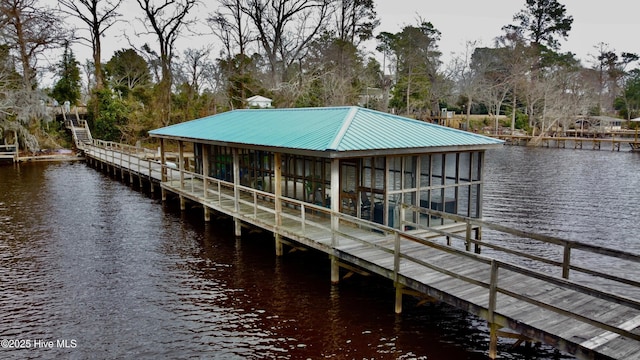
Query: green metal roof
pixel 341 129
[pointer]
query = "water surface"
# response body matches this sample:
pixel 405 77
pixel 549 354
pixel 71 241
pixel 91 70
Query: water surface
pixel 85 257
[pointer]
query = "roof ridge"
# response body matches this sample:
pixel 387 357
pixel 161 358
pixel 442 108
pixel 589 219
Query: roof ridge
pixel 346 123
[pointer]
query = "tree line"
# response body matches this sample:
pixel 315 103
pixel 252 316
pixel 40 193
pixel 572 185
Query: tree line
pixel 300 53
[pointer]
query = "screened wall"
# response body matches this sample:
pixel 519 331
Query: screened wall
pixel 371 188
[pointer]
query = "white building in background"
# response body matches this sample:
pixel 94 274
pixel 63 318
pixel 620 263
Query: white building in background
pixel 258 101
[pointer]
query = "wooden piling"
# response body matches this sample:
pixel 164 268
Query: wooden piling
pixel 335 270
pixel 278 243
pixel 399 289
pixel 207 214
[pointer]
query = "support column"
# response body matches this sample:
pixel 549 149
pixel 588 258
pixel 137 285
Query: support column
pixel 335 221
pixel 205 169
pixel 399 290
pixel 277 174
pixel 236 191
pixel 493 295
pixel 238 227
pixel 207 213
pixel 279 247
pixel 181 162
pixel 335 270
pixel 493 342
pixel 335 200
pixel 182 203
pixel 163 177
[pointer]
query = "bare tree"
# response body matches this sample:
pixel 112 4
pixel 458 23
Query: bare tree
pixel 166 19
pixel 467 77
pixel 30 29
pixel 285 28
pixel 231 26
pixel 99 16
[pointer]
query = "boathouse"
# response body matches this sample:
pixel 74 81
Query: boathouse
pixel 354 161
pixel 386 195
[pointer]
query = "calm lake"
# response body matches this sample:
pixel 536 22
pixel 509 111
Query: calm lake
pixel 98 269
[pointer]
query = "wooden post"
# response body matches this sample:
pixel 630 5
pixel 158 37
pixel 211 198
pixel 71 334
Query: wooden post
pixel 279 248
pixel 566 262
pixel 207 213
pixel 396 257
pixel 236 191
pixel 181 162
pixel 493 295
pixel 493 340
pixel 335 200
pixel 399 289
pixel 277 190
pixel 237 227
pixel 205 169
pixel 335 270
pixel 467 238
pixel 163 170
pixel 182 203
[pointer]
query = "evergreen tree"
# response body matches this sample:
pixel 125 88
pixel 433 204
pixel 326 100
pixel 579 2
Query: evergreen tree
pixel 542 22
pixel 67 88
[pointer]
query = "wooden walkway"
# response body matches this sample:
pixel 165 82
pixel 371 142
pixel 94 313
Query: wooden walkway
pixel 563 142
pixel 575 316
pixel 9 152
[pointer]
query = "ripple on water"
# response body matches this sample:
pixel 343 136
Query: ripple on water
pixel 90 259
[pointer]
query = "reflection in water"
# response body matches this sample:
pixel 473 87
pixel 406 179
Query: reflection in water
pixel 84 257
pixel 586 196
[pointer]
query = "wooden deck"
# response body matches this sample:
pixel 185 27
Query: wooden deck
pixel 9 152
pixel 575 316
pixel 564 142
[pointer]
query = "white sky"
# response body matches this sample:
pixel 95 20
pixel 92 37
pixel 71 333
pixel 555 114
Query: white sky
pixel 614 22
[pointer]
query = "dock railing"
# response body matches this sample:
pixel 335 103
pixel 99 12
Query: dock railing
pixel 9 152
pixel 220 190
pixel 563 248
pixel 141 160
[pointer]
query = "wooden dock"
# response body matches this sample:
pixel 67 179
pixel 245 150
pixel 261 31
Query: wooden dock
pixel 9 152
pixel 612 143
pixel 570 305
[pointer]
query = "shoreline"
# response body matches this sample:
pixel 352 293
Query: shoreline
pixel 62 155
pixel 56 157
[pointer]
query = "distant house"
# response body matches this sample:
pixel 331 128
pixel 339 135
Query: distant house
pixel 599 123
pixel 369 95
pixel 258 101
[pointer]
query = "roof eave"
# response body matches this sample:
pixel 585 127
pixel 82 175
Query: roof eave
pixel 337 153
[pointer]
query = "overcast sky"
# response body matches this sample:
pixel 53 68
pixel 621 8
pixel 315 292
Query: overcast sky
pixel 613 22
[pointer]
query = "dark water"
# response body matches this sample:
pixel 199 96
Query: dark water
pixel 117 274
pixel 589 196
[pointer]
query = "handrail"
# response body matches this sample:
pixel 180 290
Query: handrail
pixel 566 245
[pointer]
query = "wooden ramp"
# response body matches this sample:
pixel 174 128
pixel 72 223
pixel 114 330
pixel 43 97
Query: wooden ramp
pixel 9 152
pixel 573 315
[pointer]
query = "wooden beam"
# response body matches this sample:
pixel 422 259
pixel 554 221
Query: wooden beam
pixel 353 269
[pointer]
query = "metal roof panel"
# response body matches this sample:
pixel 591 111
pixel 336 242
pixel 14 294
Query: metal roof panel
pixel 322 129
